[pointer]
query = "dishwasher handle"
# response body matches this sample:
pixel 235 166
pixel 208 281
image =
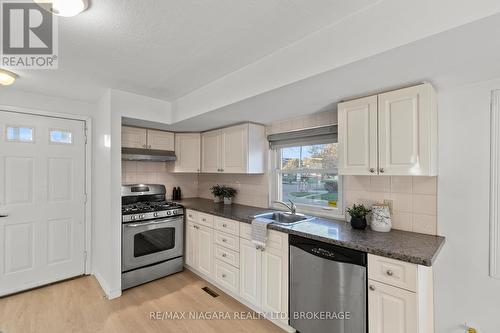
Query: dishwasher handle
pixel 329 251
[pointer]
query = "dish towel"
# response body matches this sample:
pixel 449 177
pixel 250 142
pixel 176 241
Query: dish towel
pixel 259 232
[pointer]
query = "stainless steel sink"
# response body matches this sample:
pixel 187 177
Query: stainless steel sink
pixel 284 218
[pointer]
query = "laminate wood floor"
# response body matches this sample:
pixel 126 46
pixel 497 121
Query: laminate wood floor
pixel 79 306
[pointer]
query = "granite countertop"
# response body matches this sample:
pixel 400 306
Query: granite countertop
pixel 402 245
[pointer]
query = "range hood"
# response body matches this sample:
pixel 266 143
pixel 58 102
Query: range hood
pixel 140 154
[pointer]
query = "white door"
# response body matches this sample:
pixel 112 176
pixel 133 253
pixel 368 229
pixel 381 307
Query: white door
pixel 42 196
pixel 404 131
pixel 250 272
pixel 190 244
pixel 234 149
pixel 133 137
pixel 357 136
pixel 391 309
pixel 161 140
pixel 210 151
pixel 188 152
pixel 274 281
pixel 204 250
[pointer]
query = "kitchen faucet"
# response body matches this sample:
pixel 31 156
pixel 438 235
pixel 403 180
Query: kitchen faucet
pixel 292 207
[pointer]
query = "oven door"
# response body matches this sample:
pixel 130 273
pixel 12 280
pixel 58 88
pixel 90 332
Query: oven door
pixel 150 242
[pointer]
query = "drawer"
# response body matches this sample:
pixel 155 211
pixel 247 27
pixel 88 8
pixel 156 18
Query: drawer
pixel 393 272
pixel 226 225
pixel 227 276
pixel 228 256
pixel 205 219
pixel 191 215
pixel 246 230
pixel 231 242
pixel 275 239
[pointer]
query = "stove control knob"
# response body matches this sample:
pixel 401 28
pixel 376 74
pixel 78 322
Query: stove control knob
pixel 132 217
pixel 141 216
pixel 169 212
pixel 155 214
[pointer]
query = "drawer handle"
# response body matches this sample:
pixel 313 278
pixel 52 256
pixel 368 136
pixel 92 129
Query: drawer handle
pixel 223 276
pixel 223 255
pixel 224 240
pixel 372 170
pixel 389 272
pixel 204 220
pixel 372 287
pixel 224 225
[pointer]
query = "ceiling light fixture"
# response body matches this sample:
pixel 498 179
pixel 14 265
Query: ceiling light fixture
pixel 7 77
pixel 65 8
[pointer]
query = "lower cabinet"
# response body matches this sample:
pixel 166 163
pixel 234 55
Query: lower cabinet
pixel 250 272
pixel 391 309
pixel 199 248
pixel 275 281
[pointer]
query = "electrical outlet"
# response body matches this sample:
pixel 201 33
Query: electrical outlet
pixel 389 203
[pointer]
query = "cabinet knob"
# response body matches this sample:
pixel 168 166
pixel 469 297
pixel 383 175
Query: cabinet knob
pixel 389 272
pixel 203 219
pixel 224 225
pixel 224 276
pixel 372 170
pixel 381 170
pixel 223 255
pixel 372 287
pixel 224 240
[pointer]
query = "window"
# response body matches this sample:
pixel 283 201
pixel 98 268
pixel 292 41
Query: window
pixel 308 176
pixel 19 134
pixel 60 136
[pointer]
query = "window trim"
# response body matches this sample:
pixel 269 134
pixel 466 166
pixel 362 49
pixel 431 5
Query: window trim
pixel 315 210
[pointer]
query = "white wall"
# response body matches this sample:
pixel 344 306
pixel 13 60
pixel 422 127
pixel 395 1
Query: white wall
pixel 464 291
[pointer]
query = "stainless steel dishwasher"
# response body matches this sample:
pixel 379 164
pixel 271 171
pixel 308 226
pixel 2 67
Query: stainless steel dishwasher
pixel 327 288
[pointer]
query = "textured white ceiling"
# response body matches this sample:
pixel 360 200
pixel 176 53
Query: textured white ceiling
pixel 167 48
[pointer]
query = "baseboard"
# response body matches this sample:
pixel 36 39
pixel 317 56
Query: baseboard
pixel 110 293
pixel 237 297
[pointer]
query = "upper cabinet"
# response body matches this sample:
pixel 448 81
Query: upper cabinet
pixel 235 149
pixel 393 133
pixel 188 152
pixel 134 137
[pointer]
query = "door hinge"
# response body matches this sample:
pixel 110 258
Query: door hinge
pixel 86 133
pixel 85 197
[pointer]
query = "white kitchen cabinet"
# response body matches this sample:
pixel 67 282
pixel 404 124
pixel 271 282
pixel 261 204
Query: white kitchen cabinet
pixel 275 281
pixel 393 133
pixel 188 152
pixel 211 151
pixel 400 296
pixel 391 309
pixel 235 149
pixel 204 250
pixel 161 140
pixel 190 243
pixel 134 137
pixel 357 136
pixel 250 272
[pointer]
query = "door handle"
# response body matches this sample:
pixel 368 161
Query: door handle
pixel 4 215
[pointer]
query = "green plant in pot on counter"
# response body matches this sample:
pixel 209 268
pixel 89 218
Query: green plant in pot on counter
pixel 228 193
pixel 358 216
pixel 217 192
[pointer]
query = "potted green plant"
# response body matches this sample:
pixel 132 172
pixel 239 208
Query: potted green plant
pixel 228 193
pixel 358 216
pixel 217 192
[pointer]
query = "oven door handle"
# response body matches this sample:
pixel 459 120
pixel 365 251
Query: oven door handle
pixel 134 225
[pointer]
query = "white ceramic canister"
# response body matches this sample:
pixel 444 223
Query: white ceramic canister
pixel 381 218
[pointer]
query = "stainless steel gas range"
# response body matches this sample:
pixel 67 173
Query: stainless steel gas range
pixel 152 234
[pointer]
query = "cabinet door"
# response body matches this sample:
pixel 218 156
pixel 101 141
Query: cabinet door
pixel 210 151
pixel 391 309
pixel 133 137
pixel 161 140
pixel 234 149
pixel 190 244
pixel 357 136
pixel 405 129
pixel 250 272
pixel 274 281
pixel 204 250
pixel 188 152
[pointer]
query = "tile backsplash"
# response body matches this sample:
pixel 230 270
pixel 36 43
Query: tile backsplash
pixel 159 173
pixel 414 199
pixel 252 189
